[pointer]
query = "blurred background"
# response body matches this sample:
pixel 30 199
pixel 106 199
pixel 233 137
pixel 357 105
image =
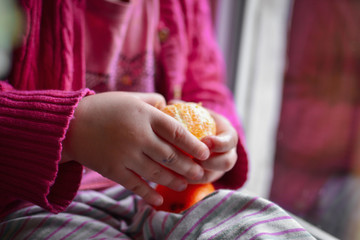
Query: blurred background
pixel 294 69
pixel 11 25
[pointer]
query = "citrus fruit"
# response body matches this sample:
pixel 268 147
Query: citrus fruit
pixel 193 117
pixel 179 201
pixel 200 123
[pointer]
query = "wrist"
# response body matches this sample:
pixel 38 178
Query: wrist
pixel 65 151
pixel 68 143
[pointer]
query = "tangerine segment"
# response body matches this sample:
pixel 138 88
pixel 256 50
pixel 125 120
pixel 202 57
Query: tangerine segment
pixel 194 117
pixel 179 201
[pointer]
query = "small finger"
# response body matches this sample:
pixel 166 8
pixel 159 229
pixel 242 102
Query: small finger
pixel 209 176
pixel 226 136
pixel 172 158
pixel 220 162
pixel 173 132
pixel 156 173
pixel 221 143
pixel 139 187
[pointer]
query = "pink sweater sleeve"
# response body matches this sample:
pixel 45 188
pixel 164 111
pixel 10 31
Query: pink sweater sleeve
pixel 32 127
pixel 205 82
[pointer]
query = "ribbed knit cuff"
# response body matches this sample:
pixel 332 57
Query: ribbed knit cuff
pixel 32 127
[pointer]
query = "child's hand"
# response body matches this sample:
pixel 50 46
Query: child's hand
pixel 124 137
pixel 223 150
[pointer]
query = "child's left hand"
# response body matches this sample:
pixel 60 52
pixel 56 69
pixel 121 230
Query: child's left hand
pixel 223 150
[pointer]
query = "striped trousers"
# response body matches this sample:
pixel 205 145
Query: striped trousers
pixel 116 213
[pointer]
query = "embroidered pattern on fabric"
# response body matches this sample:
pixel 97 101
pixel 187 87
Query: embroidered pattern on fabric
pixel 95 79
pixel 136 73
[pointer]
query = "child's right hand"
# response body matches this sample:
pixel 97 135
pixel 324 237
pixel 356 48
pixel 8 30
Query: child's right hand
pixel 124 137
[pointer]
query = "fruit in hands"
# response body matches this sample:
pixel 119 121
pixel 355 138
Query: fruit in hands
pixel 193 117
pixel 179 201
pixel 200 123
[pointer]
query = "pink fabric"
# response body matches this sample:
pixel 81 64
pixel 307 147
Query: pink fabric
pixel 54 58
pixel 106 24
pixel 34 121
pixel 58 50
pixel 32 127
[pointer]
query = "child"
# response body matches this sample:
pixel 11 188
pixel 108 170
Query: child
pixel 120 135
pixel 52 125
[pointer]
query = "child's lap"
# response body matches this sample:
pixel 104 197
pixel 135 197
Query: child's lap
pixel 116 213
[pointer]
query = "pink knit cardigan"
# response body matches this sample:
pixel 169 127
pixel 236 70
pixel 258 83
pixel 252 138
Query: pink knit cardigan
pixel 38 99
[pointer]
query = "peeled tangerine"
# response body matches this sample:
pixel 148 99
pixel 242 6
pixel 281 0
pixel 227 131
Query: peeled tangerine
pixel 193 117
pixel 201 124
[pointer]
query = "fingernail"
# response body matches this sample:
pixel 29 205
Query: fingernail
pixel 205 154
pixel 182 187
pixel 157 201
pixel 199 174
